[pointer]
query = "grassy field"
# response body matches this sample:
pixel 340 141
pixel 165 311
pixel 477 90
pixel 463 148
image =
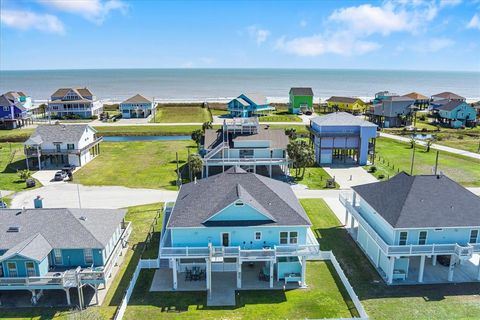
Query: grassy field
pixel 138 164
pixel 16 135
pixel 449 301
pixel 393 156
pixel 314 178
pixel 11 160
pixel 181 114
pixel 280 116
pixel 146 130
pixel 142 218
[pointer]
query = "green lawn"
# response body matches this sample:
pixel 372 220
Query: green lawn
pixel 16 135
pixel 179 114
pixel 219 112
pixel 136 164
pixel 449 301
pixel 280 116
pixel 146 130
pixel 393 156
pixel 142 218
pixel 314 178
pixel 11 160
pixel 300 128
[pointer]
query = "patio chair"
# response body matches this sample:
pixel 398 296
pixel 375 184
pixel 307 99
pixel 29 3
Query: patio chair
pixel 202 275
pixel 188 275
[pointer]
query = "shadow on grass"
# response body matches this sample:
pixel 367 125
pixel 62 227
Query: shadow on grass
pixel 14 166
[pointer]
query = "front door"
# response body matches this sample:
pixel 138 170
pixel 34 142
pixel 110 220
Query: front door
pixel 225 239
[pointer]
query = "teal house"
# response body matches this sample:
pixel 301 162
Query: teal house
pixel 60 249
pixel 300 100
pixel 136 107
pixel 248 105
pixel 242 229
pixel 456 114
pixel 425 231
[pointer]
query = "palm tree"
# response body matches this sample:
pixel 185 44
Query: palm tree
pixel 412 142
pixel 207 125
pixel 291 133
pixel 195 163
pixel 24 174
pixel 197 136
pixel 301 154
pixel 429 143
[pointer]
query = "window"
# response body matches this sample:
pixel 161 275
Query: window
pixel 30 269
pixel 403 238
pixel 473 236
pixel 88 255
pixel 58 256
pixel 70 146
pixel 283 237
pixel 12 269
pixel 422 237
pixel 258 235
pixel 57 147
pixel 6 109
pixel 239 203
pixel 293 237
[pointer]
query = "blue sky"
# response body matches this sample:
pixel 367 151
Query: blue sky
pixel 406 34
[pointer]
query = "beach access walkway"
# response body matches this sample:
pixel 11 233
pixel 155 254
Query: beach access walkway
pixel 434 146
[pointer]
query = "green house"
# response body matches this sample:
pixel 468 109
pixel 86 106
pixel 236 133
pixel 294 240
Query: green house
pixel 301 100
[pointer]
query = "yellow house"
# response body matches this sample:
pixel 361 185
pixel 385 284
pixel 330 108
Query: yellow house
pixel 347 104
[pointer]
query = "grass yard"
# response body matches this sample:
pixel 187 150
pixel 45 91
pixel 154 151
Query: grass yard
pixel 314 178
pixel 301 129
pixel 280 116
pixel 448 301
pixel 11 160
pixel 393 156
pixel 15 135
pixel 146 130
pixel 142 218
pixel 138 164
pixel 179 114
pixel 219 112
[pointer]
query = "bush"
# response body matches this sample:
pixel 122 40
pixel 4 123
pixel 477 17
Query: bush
pixel 381 176
pixel 422 117
pixel 460 137
pixel 424 130
pixel 372 169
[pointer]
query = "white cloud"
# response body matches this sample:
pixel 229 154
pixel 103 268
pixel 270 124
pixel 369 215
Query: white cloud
pixel 434 45
pixel 340 43
pixel 26 20
pixel 452 3
pixel 474 22
pixel 258 34
pixel 303 23
pixel 93 10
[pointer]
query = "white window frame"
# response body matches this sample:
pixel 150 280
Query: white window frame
pixel 56 256
pixel 289 237
pixel 280 237
pixel 16 269
pixel 400 238
pixel 255 236
pixel 85 251
pixel 476 238
pixel 426 237
pixel 34 270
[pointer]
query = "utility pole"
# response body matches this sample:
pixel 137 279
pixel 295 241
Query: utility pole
pixel 178 172
pixel 413 158
pixel 436 163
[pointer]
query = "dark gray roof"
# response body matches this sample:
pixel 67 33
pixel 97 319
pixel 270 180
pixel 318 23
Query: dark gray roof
pixel 197 202
pixel 62 228
pixel 58 133
pixel 448 95
pixel 449 106
pixel 302 91
pixel 341 119
pixel 137 99
pixel 424 201
pixel 277 137
pixel 35 247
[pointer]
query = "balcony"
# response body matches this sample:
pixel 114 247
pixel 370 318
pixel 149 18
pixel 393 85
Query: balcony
pixel 33 152
pixel 462 251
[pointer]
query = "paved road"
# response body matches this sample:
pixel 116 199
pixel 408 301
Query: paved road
pixel 434 146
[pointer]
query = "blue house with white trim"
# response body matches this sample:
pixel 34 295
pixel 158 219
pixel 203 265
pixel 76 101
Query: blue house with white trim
pixel 243 224
pixel 456 114
pixel 248 105
pixel 59 249
pixel 136 107
pixel 417 229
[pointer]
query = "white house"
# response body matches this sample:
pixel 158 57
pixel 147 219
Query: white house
pixel 74 102
pixel 58 145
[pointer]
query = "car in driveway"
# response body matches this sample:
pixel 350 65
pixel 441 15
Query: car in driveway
pixel 69 167
pixel 60 175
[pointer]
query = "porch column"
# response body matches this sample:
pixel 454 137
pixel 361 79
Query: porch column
pixel 239 274
pixel 34 298
pixel 96 294
pixel 271 273
pixel 451 267
pixel 354 199
pixel 422 267
pixel 174 271
pixel 206 168
pixel 346 217
pixel 478 272
pixel 67 292
pixel 304 271
pixel 434 260
pixel 390 270
pixel 270 170
pixel 377 261
pixel 209 275
pixel 352 223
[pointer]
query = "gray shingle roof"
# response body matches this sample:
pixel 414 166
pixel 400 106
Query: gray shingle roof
pixel 137 99
pixel 301 91
pixel 424 201
pixel 197 202
pixel 35 247
pixel 341 119
pixel 448 95
pixel 62 228
pixel 277 137
pixel 449 106
pixel 58 133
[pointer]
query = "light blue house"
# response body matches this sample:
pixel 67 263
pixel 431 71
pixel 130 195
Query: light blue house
pixel 417 229
pixel 342 137
pixel 136 107
pixel 240 227
pixel 456 114
pixel 244 142
pixel 52 249
pixel 245 106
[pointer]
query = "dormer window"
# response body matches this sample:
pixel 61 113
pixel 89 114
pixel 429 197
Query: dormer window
pixel 13 229
pixel 239 203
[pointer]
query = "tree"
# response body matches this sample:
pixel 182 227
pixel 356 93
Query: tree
pixel 24 174
pixel 197 136
pixel 195 163
pixel 207 125
pixel 301 154
pixel 291 133
pixel 429 143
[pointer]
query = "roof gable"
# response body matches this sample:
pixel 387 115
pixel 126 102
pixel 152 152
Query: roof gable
pixel 58 133
pixel 35 247
pixel 452 105
pixel 301 91
pixel 137 99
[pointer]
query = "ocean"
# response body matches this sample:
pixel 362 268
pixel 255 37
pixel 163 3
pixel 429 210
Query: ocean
pixel 223 84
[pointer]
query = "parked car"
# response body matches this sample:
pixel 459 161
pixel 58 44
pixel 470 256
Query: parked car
pixel 60 176
pixel 308 113
pixel 30 182
pixel 68 167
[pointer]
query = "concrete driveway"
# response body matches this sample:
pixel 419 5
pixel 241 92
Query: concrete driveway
pixel 69 195
pixel 348 176
pixel 46 177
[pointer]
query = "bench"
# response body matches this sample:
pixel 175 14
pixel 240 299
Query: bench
pixel 292 277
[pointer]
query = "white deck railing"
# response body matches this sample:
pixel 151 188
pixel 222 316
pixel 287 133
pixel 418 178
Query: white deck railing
pixel 397 250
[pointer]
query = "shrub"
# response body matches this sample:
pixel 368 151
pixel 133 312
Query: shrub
pixel 460 137
pixel 372 169
pixel 424 130
pixel 381 176
pixel 422 117
pixel 24 174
